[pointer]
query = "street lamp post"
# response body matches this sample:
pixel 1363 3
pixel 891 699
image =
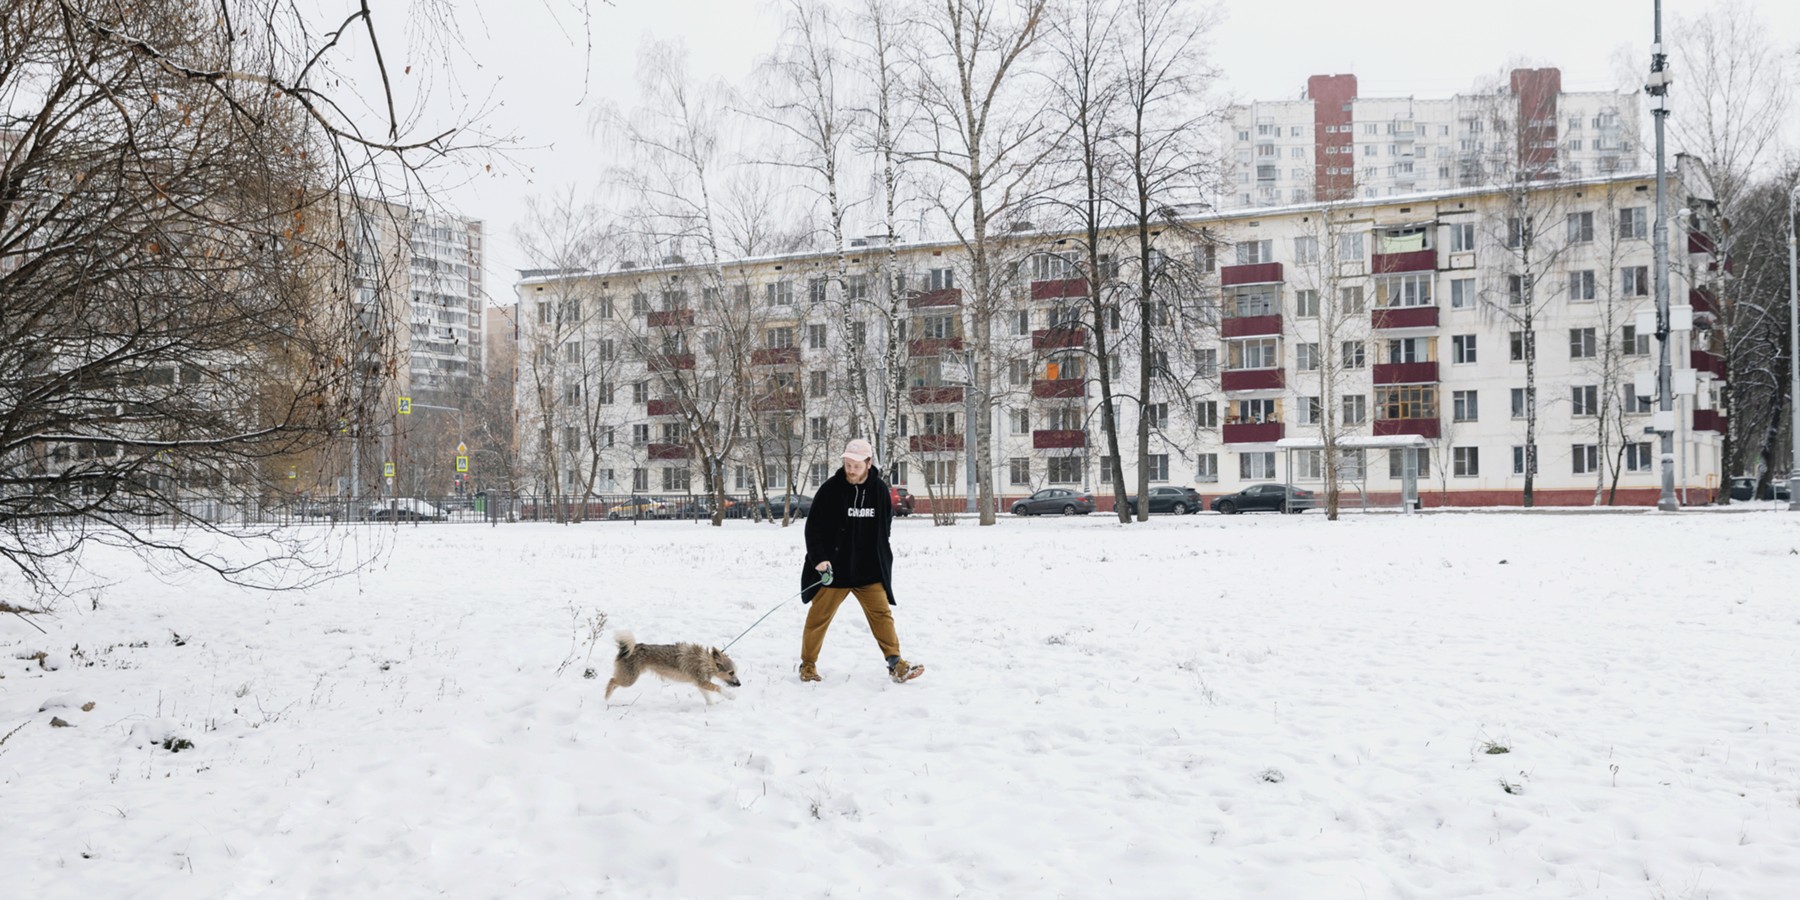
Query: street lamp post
pixel 1658 89
pixel 1793 359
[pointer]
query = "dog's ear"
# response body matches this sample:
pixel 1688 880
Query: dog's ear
pixel 716 654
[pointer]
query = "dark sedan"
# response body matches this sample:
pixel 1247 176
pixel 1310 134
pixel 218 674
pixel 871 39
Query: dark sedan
pixel 1177 500
pixel 1055 500
pixel 1266 497
pixel 795 505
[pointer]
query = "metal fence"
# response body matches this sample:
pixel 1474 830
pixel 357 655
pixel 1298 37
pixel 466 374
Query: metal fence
pixel 488 506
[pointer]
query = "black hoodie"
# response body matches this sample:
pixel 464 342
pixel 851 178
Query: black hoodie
pixel 856 544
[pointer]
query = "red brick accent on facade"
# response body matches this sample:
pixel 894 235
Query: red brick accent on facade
pixel 1251 380
pixel 1422 427
pixel 1253 433
pixel 1404 317
pixel 1332 97
pixel 1411 261
pixel 1256 273
pixel 1247 326
pixel 1058 439
pixel 1405 373
pixel 1059 288
pixel 925 396
pixel 927 443
pixel 1537 91
pixel 943 297
pixel 1058 389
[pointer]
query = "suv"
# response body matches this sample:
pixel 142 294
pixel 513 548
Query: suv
pixel 903 501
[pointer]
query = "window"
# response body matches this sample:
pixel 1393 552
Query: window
pixel 1018 470
pixel 1519 401
pixel 1462 237
pixel 1022 322
pixel 1581 285
pixel 1581 228
pixel 1409 350
pixel 940 473
pixel 779 338
pixel 1584 400
pixel 1465 462
pixel 1353 355
pixel 1633 223
pixel 817 383
pixel 640 479
pixel 1206 467
pixel 640 303
pixel 1517 346
pixel 1356 409
pixel 1635 344
pixel 1306 357
pixel 819 472
pixel 815 337
pixel 1306 304
pixel 1581 343
pixel 1159 467
pixel 1524 459
pixel 1254 353
pixel 1462 293
pixel 640 434
pixel 1065 469
pixel 1585 458
pixel 1206 414
pixel 940 279
pixel 1311 411
pixel 640 392
pixel 938 423
pixel 1464 406
pixel 1256 466
pixel 1515 290
pixel 780 293
pixel 1256 300
pixel 1397 463
pixel 1018 372
pixel 818 428
pixel 1206 257
pixel 1051 267
pixel 1157 414
pixel 606 436
pixel 1306 250
pixel 1636 280
pixel 1350 300
pixel 1206 362
pixel 1309 465
pixel 1636 404
pixel 1251 253
pixel 1256 412
pixel 1021 420
pixel 1638 458
pixel 939 327
pixel 1515 232
pixel 604 393
pixel 1462 349
pixel 1404 290
pixel 1407 401
pixel 1350 247
pixel 897 475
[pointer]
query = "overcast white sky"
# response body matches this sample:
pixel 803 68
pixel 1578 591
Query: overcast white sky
pixel 544 80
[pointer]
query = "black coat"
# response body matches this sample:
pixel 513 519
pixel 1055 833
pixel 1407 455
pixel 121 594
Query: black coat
pixel 826 522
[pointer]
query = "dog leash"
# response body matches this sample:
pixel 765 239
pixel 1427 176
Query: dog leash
pixel 824 579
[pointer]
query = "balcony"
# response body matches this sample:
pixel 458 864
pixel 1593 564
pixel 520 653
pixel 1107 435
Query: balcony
pixel 668 451
pixel 926 396
pixel 1700 242
pixel 670 318
pixel 1248 326
pixel 1257 273
pixel 939 297
pixel 1406 373
pixel 1253 432
pixel 1252 380
pixel 1058 388
pixel 779 400
pixel 1710 420
pixel 663 362
pixel 1060 337
pixel 662 408
pixel 1410 261
pixel 1059 288
pixel 1058 439
pixel 775 356
pixel 931 443
pixel 933 346
pixel 1430 428
pixel 1703 301
pixel 1702 361
pixel 1404 317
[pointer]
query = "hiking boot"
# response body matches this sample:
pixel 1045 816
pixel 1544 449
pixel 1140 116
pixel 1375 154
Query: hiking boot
pixel 902 671
pixel 809 673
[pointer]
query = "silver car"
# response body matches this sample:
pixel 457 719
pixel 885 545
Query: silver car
pixel 1055 500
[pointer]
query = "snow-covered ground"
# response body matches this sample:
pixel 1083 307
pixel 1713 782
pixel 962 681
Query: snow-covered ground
pixel 1272 707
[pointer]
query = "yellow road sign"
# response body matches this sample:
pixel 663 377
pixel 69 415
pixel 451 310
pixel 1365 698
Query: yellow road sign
pixel 387 469
pixel 462 464
pixel 462 449
pixel 406 406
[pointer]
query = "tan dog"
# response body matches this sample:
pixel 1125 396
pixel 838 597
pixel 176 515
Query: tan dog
pixel 689 663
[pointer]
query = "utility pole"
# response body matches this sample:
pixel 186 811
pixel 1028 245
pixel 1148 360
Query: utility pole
pixel 1793 359
pixel 1658 89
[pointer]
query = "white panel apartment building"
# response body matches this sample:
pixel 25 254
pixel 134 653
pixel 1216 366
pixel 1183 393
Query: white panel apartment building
pixel 1414 304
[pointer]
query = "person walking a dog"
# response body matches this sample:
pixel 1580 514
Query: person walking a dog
pixel 847 536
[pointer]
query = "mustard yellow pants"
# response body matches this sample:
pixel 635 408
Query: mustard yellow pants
pixel 825 605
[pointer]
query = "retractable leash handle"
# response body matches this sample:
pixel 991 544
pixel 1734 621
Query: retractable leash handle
pixel 824 579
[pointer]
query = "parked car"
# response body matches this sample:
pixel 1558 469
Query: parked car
pixel 795 504
pixel 1743 487
pixel 405 509
pixel 1269 497
pixel 1178 500
pixel 314 509
pixel 639 508
pixel 903 501
pixel 701 507
pixel 1055 500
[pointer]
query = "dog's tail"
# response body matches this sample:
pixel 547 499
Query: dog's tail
pixel 627 642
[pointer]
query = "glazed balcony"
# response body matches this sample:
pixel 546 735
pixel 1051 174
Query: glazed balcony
pixel 1059 288
pixel 1059 338
pixel 780 400
pixel 671 318
pixel 1058 388
pixel 934 346
pixel 1710 420
pixel 1058 439
pixel 662 408
pixel 1430 428
pixel 775 356
pixel 668 451
pixel 926 396
pixel 1257 273
pixel 1404 317
pixel 1249 326
pixel 1253 432
pixel 1410 261
pixel 1406 373
pixel 1702 361
pixel 1252 380
pixel 939 297
pixel 663 362
pixel 931 443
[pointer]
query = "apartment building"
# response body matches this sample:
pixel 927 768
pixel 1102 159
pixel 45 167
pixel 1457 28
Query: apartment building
pixel 1332 144
pixel 1375 316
